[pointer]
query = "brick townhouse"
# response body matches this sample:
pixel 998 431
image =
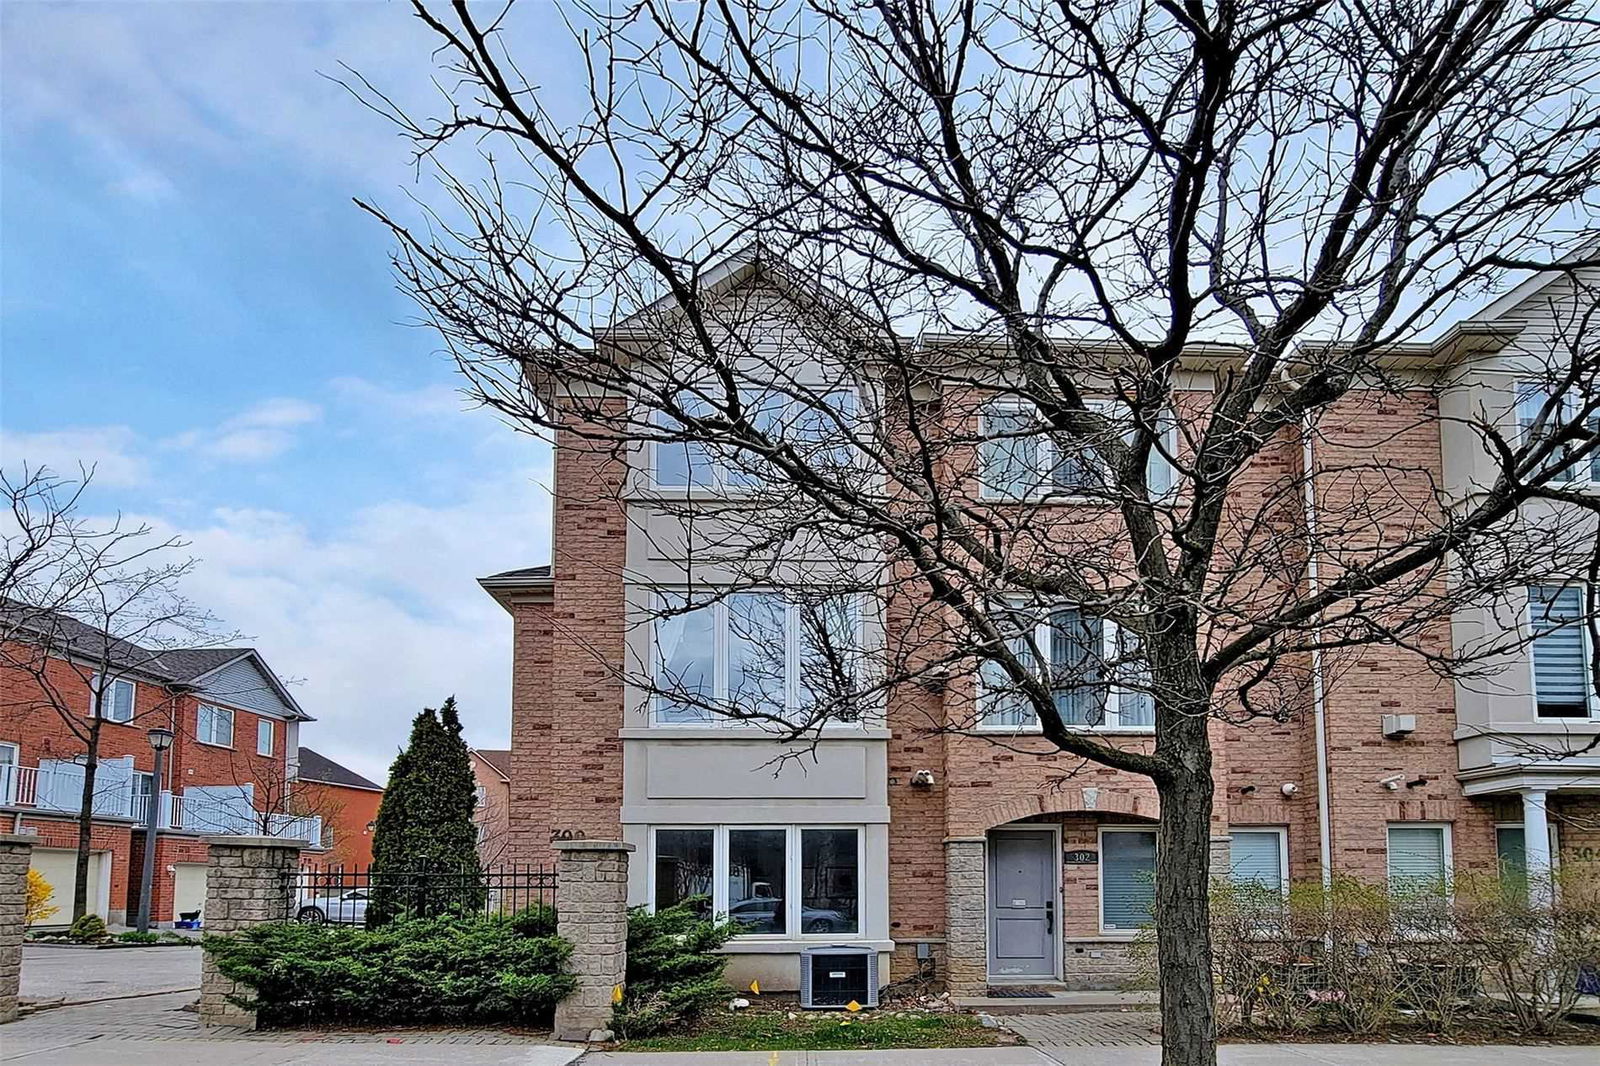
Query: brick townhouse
pixel 230 769
pixel 1007 861
pixel 347 803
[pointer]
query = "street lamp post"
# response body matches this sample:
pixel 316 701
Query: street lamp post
pixel 160 741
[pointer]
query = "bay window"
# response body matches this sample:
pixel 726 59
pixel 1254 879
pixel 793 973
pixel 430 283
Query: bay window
pixel 777 655
pixel 1019 459
pixel 1563 685
pixel 1534 400
pixel 818 427
pixel 1095 670
pixel 774 881
pixel 1127 879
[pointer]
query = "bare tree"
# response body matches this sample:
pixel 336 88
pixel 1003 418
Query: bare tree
pixel 1061 305
pixel 86 605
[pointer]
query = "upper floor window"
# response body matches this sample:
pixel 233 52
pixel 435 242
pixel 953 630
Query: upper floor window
pixel 1020 460
pixel 214 725
pixel 114 702
pixel 768 654
pixel 1532 400
pixel 818 428
pixel 264 736
pixel 1563 686
pixel 1095 670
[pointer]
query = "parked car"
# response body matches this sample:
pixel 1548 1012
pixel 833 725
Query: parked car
pixel 760 914
pixel 339 907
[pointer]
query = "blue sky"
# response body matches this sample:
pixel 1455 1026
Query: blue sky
pixel 192 302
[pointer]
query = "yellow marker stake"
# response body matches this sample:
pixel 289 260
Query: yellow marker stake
pixel 616 993
pixel 852 1006
pixel 755 986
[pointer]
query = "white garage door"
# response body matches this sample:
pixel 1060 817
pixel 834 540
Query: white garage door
pixel 188 887
pixel 57 865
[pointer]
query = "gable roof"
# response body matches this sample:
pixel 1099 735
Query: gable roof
pixel 499 760
pixel 321 770
pixel 66 636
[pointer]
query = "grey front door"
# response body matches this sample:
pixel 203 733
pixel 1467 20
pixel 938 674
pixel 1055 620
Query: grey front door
pixel 1023 871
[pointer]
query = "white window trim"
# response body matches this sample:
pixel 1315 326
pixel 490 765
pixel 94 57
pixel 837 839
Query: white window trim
pixel 1112 711
pixel 1047 455
pixel 720 484
pixel 233 725
pixel 1449 852
pixel 95 693
pixel 1584 478
pixel 1100 880
pixel 16 752
pixel 793 907
pixel 265 724
pixel 721 641
pixel 1282 832
pixel 1592 701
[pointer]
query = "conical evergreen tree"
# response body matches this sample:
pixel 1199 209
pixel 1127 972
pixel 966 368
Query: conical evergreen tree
pixel 425 845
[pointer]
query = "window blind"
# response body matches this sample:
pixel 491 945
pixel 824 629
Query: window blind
pixel 1127 879
pixel 1256 857
pixel 1416 855
pixel 1560 668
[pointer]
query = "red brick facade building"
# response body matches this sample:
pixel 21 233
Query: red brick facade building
pixel 983 847
pixel 348 805
pixel 230 769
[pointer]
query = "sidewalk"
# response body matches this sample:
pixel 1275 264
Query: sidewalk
pixel 1231 1054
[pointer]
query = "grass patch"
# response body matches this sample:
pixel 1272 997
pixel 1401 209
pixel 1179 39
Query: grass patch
pixel 826 1031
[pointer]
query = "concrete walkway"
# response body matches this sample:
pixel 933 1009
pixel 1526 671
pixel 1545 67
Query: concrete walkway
pixel 1232 1055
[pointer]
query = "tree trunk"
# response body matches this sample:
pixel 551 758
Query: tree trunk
pixel 91 764
pixel 1182 899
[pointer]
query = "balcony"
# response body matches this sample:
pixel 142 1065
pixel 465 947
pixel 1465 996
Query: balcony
pixel 220 810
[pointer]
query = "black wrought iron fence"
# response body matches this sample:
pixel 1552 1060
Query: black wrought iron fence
pixel 362 895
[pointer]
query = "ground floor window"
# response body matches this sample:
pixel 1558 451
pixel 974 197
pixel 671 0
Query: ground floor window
pixel 770 880
pixel 1419 857
pixel 1511 847
pixel 1260 857
pixel 1127 879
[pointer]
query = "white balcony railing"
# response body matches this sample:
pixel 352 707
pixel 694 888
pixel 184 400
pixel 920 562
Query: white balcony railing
pixel 214 810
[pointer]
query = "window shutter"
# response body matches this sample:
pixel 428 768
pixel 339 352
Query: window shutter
pixel 1560 668
pixel 1256 858
pixel 1127 880
pixel 1416 854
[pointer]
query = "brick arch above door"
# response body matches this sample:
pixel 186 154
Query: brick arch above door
pixel 1085 800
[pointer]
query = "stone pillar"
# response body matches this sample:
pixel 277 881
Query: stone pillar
pixel 1221 856
pixel 248 882
pixel 592 913
pixel 966 915
pixel 14 854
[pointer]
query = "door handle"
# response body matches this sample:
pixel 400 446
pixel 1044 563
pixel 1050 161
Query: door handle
pixel 1050 917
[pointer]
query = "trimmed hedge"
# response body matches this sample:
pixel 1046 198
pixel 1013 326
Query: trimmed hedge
pixel 448 970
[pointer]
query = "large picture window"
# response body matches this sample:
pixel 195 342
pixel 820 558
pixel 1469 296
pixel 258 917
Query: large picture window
pixel 1095 671
pixel 1563 685
pixel 769 880
pixel 819 429
pixel 1018 459
pixel 763 654
pixel 1127 879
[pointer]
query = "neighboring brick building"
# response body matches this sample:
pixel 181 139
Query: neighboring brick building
pixel 346 802
pixel 1009 860
pixel 231 767
pixel 491 769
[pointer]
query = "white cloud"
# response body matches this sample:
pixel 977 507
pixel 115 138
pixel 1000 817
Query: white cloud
pixel 429 401
pixel 262 432
pixel 381 615
pixel 110 450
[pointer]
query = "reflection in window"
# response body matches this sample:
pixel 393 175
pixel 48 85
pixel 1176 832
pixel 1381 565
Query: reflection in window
pixel 685 657
pixel 756 879
pixel 684 861
pixel 828 876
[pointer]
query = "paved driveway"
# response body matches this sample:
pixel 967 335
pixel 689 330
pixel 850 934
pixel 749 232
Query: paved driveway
pixel 83 974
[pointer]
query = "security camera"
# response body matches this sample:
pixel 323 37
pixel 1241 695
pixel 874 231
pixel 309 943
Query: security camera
pixel 1289 788
pixel 922 779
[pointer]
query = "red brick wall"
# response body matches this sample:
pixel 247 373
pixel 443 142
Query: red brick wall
pixel 348 811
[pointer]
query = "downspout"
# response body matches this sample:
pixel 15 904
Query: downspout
pixel 1318 701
